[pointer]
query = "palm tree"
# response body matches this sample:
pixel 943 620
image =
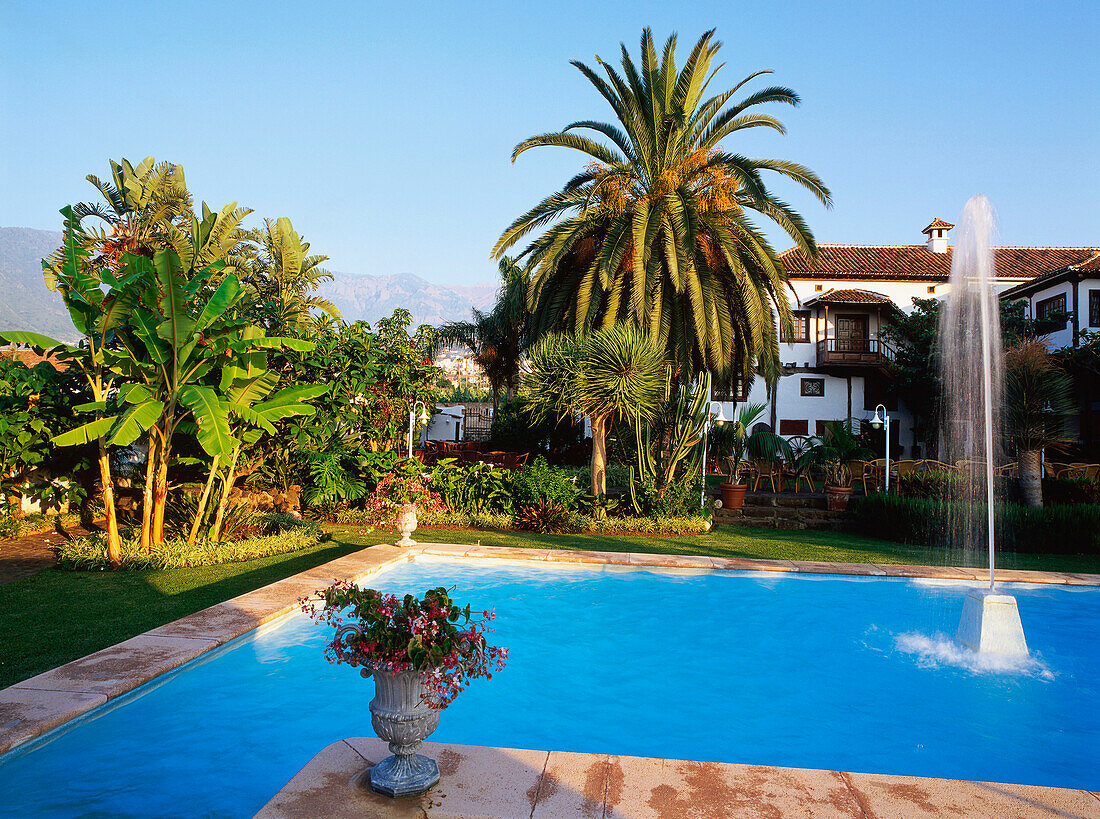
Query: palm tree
pixel 655 229
pixel 283 277
pixel 140 205
pixel 1038 401
pixel 613 372
pixel 497 339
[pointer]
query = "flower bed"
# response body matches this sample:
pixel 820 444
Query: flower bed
pixel 287 534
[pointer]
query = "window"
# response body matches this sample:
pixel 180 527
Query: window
pixel 1094 308
pixel 793 427
pixel 818 288
pixel 814 387
pixel 801 321
pixel 931 288
pixel 1050 308
pixel 725 389
pixel 820 426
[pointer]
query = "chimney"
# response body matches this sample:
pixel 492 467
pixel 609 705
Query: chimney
pixel 937 235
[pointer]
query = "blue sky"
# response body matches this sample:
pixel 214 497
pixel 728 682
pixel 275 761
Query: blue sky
pixel 385 131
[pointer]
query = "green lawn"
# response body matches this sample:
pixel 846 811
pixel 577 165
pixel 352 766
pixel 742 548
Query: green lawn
pixel 739 541
pixel 57 616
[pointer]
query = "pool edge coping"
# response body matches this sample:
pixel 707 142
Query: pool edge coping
pixel 50 700
pixel 484 781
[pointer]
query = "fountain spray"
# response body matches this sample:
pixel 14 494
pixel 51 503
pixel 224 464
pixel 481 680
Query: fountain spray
pixel 970 346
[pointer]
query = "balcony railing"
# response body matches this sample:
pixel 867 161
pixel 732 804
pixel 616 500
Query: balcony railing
pixel 854 352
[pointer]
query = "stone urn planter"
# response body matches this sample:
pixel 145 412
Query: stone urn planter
pixel 406 523
pixel 836 498
pixel 422 652
pixel 733 494
pixel 402 718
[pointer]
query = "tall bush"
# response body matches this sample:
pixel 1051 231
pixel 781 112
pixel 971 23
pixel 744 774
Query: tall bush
pixel 1071 529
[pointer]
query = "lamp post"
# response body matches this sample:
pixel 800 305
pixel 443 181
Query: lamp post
pixel 878 422
pixel 718 418
pixel 423 419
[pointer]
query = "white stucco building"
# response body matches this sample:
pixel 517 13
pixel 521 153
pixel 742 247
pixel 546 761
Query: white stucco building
pixel 835 365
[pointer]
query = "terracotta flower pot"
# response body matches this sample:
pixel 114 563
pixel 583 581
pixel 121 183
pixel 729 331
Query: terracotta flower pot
pixel 733 494
pixel 836 497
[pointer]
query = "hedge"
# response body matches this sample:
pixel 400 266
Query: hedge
pixel 1063 529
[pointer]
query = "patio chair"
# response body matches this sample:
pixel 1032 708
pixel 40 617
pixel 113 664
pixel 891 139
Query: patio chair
pixel 904 468
pixel 795 475
pixel 767 470
pixel 1052 468
pixel 877 469
pixel 1009 470
pixel 1092 472
pixel 1076 470
pixel 860 471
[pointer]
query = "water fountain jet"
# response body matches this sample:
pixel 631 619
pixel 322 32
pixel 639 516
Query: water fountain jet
pixel 970 349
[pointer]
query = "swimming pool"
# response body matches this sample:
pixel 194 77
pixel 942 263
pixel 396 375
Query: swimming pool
pixel 818 671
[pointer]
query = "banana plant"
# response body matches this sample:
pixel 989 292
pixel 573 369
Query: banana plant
pixel 99 301
pixel 250 409
pixel 178 333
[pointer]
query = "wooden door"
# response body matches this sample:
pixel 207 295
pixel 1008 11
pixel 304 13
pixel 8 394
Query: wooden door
pixel 851 334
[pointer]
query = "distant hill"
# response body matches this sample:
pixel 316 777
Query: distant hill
pixel 26 303
pixel 369 298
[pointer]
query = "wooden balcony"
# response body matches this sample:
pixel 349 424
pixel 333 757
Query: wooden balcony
pixel 854 352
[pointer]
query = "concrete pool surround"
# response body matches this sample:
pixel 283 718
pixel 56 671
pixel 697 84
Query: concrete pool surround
pixel 51 701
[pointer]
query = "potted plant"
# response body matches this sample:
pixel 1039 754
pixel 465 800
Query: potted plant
pixel 422 652
pixel 838 485
pixel 735 439
pixel 397 497
pixel 833 449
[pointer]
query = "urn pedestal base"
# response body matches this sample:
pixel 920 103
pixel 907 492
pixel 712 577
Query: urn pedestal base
pixel 401 775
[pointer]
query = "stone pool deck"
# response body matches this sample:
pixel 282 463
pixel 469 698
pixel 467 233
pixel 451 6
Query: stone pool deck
pixel 509 783
pixel 40 704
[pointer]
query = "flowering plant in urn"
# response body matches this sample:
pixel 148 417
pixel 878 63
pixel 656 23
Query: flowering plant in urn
pixel 396 499
pixel 422 653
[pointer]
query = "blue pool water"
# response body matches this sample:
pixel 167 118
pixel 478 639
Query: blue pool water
pixel 815 671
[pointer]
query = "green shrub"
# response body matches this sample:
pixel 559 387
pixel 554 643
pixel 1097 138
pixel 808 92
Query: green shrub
pixel 91 552
pixel 546 517
pixel 9 527
pixel 514 430
pixel 474 488
pixel 1067 529
pixel 539 481
pixel 462 520
pixel 679 525
pixel 677 498
pixel 935 484
pixel 1071 490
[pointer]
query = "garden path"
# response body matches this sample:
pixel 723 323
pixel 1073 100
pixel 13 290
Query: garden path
pixel 30 554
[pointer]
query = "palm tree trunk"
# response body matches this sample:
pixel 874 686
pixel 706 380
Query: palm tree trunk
pixel 227 487
pixel 599 455
pixel 114 543
pixel 203 500
pixel 1031 478
pixel 147 496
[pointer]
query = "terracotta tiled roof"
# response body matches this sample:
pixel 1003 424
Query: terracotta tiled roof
pixel 918 263
pixel 850 297
pixel 938 223
pixel 1090 265
pixel 1087 267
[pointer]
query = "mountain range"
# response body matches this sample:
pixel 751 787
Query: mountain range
pixel 26 303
